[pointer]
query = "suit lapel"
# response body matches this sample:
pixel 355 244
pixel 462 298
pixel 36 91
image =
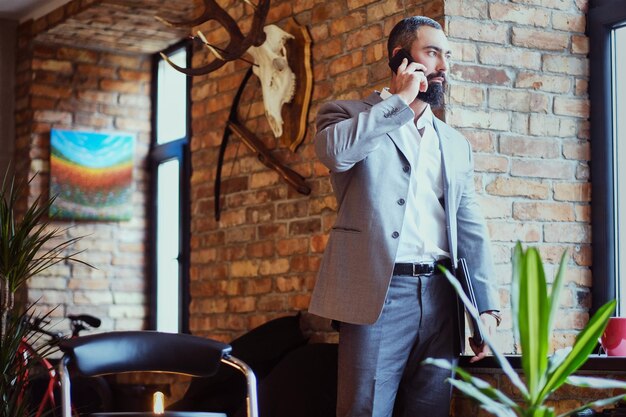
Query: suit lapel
pixel 448 190
pixel 446 157
pixel 400 144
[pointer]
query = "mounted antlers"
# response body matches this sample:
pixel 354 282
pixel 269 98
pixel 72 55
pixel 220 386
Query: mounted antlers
pixel 267 46
pixel 238 44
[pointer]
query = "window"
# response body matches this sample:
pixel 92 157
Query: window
pixel 618 53
pixel 170 173
pixel 607 32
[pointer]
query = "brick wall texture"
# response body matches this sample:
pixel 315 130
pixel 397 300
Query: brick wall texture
pixel 65 87
pixel 518 91
pixel 520 74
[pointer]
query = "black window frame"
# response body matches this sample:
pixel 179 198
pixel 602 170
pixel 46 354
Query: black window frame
pixel 602 18
pixel 160 153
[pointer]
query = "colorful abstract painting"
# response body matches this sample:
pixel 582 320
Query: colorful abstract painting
pixel 91 174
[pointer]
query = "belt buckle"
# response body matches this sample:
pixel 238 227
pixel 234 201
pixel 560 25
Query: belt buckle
pixel 423 269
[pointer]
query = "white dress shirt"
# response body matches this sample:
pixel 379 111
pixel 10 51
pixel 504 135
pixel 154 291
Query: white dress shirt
pixel 423 235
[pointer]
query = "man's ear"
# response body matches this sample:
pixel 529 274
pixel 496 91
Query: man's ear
pixel 394 51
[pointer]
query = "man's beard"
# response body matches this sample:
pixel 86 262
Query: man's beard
pixel 436 91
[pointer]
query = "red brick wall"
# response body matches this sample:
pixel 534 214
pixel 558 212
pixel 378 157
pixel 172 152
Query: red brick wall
pixel 70 88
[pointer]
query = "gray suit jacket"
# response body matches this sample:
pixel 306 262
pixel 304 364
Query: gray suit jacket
pixel 357 141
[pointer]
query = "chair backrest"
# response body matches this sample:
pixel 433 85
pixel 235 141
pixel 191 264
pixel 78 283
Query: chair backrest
pixel 134 351
pixel 149 351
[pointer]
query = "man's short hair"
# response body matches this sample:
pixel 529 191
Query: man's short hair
pixel 405 32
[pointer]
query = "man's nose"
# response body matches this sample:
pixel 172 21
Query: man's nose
pixel 443 64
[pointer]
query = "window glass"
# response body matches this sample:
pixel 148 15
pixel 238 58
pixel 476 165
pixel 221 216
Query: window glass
pixel 169 207
pixel 171 99
pixel 168 244
pixel 618 40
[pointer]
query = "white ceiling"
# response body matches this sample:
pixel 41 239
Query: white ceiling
pixel 22 10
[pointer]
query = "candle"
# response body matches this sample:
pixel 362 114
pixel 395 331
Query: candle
pixel 158 406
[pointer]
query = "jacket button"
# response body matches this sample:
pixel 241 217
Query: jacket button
pixel 395 235
pixel 406 168
pixel 401 201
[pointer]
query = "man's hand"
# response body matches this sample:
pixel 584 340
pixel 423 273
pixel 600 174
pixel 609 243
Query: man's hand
pixel 409 81
pixel 490 323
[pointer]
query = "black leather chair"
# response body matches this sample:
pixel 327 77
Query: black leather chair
pixel 149 351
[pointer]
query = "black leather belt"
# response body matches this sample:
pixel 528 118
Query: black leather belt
pixel 422 268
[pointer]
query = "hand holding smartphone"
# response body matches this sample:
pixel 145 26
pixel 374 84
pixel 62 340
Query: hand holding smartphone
pixel 408 86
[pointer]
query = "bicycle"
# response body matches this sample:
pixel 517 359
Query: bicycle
pixel 94 393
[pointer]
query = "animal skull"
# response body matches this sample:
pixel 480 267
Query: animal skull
pixel 278 81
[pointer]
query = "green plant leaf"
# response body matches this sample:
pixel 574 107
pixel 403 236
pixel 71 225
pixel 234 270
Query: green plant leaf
pixel 595 382
pixel 486 402
pixel 540 411
pixel 441 363
pixel 557 358
pixel 595 404
pixel 534 312
pixel 29 245
pixel 533 320
pixel 504 363
pixel 584 345
pixel 555 294
pixel 480 384
pixel 518 252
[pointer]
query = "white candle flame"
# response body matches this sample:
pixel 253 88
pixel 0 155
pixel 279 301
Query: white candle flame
pixel 158 403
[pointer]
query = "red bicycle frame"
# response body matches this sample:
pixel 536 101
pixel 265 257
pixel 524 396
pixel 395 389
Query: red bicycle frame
pixel 27 353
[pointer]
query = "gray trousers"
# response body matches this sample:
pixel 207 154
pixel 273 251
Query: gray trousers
pixel 380 372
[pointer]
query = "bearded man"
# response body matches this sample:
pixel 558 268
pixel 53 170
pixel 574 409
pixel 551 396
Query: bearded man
pixel 404 184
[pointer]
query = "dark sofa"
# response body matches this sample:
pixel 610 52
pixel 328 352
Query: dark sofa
pixel 295 378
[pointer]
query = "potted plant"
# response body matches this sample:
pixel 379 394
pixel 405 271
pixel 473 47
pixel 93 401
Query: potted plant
pixel 28 246
pixel 534 309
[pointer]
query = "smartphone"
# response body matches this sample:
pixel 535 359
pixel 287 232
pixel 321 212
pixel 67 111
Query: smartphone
pixel 396 60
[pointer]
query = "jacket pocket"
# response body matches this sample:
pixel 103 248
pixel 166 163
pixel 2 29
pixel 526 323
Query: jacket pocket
pixel 345 230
